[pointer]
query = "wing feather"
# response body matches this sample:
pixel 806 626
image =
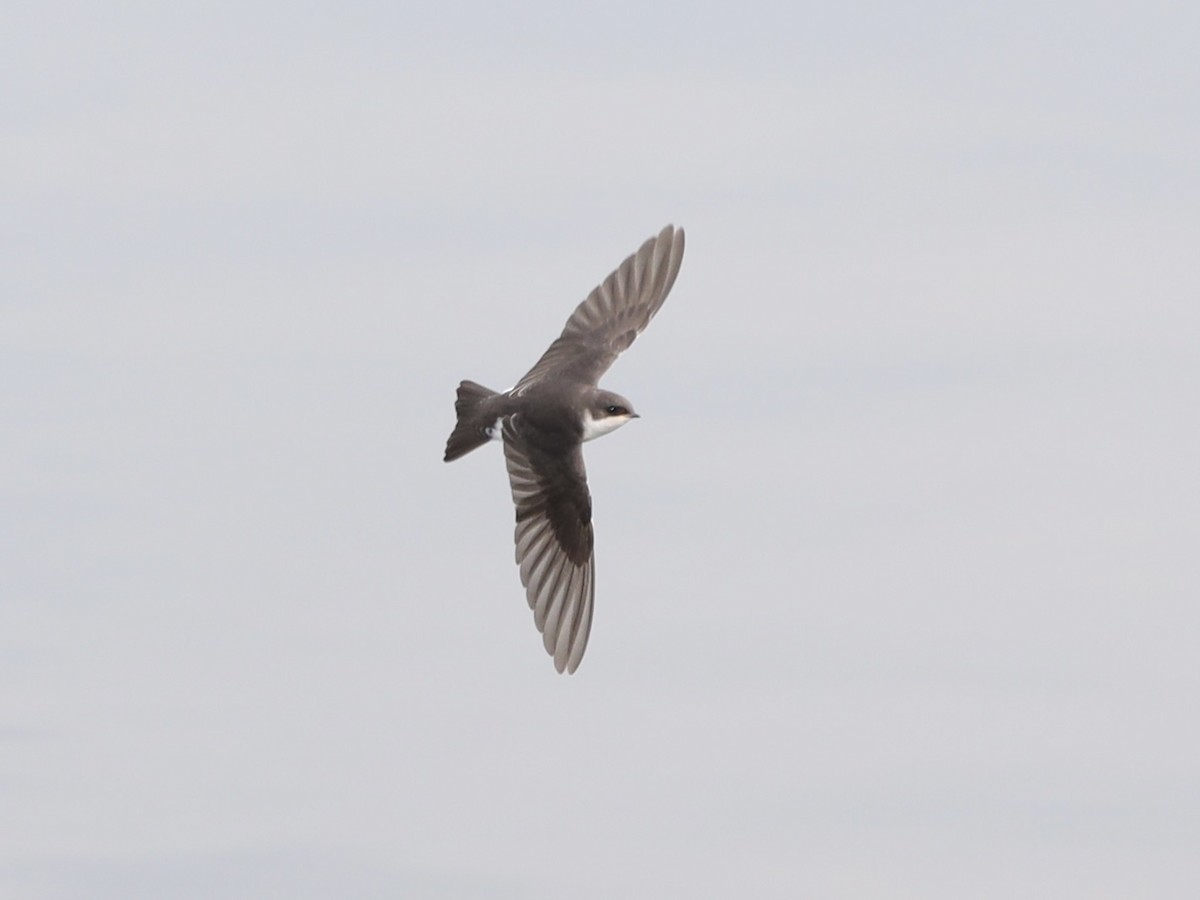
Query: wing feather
pixel 614 314
pixel 553 542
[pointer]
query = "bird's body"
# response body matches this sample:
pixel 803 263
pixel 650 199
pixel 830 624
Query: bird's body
pixel 544 420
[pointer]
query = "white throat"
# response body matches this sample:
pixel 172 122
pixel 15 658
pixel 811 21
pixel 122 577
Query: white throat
pixel 594 428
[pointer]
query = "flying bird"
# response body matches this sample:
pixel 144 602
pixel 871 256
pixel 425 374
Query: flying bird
pixel 544 420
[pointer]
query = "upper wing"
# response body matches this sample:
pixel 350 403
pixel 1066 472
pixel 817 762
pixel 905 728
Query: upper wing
pixel 613 314
pixel 554 542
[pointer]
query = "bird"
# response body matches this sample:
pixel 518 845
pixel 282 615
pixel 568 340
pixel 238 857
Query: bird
pixel 543 422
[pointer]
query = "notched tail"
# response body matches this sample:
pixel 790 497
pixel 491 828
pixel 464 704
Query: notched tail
pixel 472 428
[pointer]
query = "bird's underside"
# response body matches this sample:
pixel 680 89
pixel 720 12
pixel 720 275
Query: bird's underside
pixel 543 422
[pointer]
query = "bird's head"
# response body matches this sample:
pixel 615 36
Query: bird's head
pixel 605 412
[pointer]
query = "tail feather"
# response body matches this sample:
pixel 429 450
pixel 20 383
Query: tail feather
pixel 471 430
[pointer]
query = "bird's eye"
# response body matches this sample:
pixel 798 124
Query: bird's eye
pixel 615 410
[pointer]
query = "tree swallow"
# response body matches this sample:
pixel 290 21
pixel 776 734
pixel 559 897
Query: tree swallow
pixel 543 422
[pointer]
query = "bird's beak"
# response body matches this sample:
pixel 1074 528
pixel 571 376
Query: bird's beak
pixel 634 416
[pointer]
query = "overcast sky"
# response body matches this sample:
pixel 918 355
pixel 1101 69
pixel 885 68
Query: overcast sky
pixel 898 573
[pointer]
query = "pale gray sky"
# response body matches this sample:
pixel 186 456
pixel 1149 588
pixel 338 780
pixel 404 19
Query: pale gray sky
pixel 898 574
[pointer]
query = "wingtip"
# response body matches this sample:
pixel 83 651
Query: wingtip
pixel 673 240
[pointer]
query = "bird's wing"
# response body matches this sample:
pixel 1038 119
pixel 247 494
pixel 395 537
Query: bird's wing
pixel 554 541
pixel 615 313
